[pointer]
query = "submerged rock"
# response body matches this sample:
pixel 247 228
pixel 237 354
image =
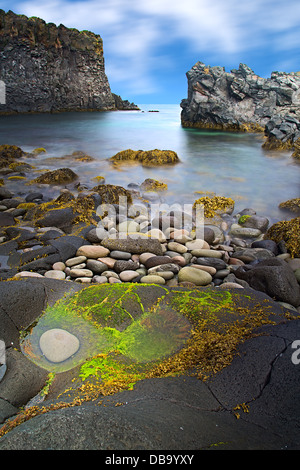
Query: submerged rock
pixel 58 345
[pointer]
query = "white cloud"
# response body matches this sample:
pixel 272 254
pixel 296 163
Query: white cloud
pixel 136 32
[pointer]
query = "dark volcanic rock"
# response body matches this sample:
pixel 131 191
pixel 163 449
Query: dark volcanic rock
pixel 48 68
pixel 239 100
pixel 6 219
pixel 57 218
pixel 275 278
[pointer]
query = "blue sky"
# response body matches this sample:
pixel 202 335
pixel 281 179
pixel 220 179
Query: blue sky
pixel 149 45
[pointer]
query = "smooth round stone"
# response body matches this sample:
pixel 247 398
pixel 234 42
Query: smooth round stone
pixel 79 266
pixel 158 234
pixel 96 266
pixel 81 273
pixel 156 261
pixel 227 285
pixel 92 251
pixel 99 279
pixel 174 268
pixel 197 244
pixel 167 275
pixel 178 247
pixel 181 236
pixel 128 226
pixel 237 231
pixel 127 276
pixel 215 262
pixel 113 280
pixel 55 274
pixel 59 266
pixel 180 260
pixel 209 269
pixel 75 261
pixel 152 279
pixel 27 274
pixel 110 262
pixel 222 273
pixel 110 274
pixel 57 345
pixel 84 280
pixel 120 255
pixel 194 275
pixel 207 253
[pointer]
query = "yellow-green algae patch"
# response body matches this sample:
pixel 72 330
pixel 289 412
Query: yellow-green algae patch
pixel 205 327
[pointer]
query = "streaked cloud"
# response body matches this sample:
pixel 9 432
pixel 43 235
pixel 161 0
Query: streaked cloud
pixel 143 36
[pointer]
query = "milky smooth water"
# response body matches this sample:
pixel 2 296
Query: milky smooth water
pixel 227 164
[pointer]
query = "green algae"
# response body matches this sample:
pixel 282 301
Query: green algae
pixel 127 334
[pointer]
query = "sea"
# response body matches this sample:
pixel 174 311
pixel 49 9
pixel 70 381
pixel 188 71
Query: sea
pixel 211 162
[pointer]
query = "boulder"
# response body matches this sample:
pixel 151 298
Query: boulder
pixel 275 278
pixel 60 176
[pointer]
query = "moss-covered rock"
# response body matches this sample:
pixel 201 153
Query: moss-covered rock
pixel 147 158
pixel 296 146
pixel 110 193
pixel 288 231
pixel 215 205
pixel 292 205
pixel 8 153
pixel 60 176
pixel 153 185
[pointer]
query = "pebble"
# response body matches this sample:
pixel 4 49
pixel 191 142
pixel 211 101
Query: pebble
pixel 58 345
pixel 55 274
pixel 237 231
pixel 128 276
pixel 207 253
pixel 196 276
pixel 59 266
pixel 227 285
pixel 96 266
pixel 178 247
pixel 27 274
pixel 197 244
pixel 83 280
pixel 81 273
pixel 158 234
pixel 153 279
pixel 75 261
pixel 209 269
pixel 92 251
pixel 144 256
pixel 99 279
pixel 110 262
pixel 120 255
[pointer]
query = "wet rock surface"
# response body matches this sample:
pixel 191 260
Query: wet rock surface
pixel 250 404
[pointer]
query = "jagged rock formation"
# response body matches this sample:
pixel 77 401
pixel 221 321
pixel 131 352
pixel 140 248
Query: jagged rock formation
pixel 47 68
pixel 239 100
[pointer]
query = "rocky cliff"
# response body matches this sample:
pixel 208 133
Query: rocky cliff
pixel 46 68
pixel 239 100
